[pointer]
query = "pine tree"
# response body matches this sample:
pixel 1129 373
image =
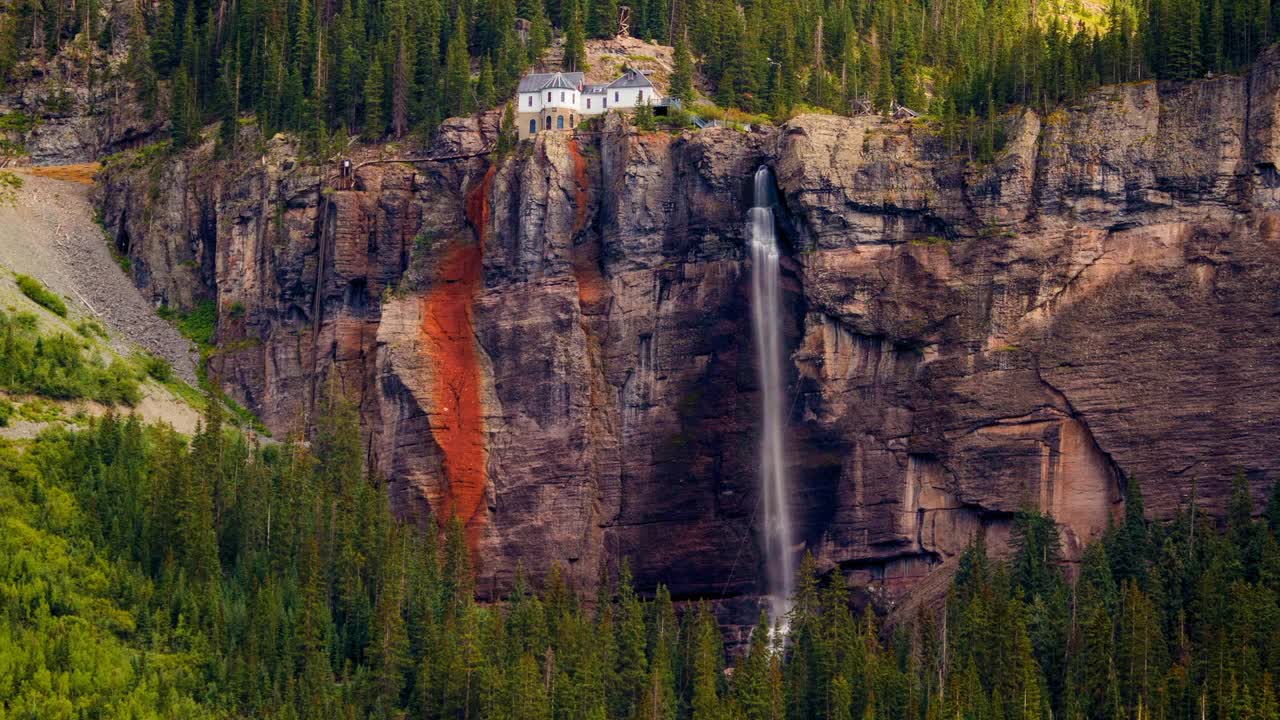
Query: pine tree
pixel 539 34
pixel 507 131
pixel 632 670
pixel 1183 47
pixel 604 19
pixel 185 125
pixel 485 92
pixel 682 77
pixel 163 50
pixel 1131 548
pixel 388 648
pixel 706 668
pixel 751 679
pixel 374 91
pixel 644 118
pixel 575 49
pixel 458 97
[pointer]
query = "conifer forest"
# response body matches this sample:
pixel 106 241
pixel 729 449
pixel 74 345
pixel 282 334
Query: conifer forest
pixel 221 572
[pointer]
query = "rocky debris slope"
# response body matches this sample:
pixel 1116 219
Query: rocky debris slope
pixel 50 235
pixel 556 345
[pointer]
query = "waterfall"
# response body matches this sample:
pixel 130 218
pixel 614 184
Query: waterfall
pixel 766 315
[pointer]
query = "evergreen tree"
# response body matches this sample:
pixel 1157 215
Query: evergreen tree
pixel 185 123
pixel 388 648
pixel 458 96
pixel 374 94
pixel 1131 549
pixel 682 77
pixel 632 671
pixel 706 668
pixel 163 51
pixel 507 132
pixel 575 50
pixel 485 92
pixel 604 19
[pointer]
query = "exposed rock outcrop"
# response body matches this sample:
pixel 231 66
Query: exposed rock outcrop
pixel 87 98
pixel 556 345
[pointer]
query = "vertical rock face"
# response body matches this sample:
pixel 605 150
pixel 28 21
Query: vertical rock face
pixel 556 345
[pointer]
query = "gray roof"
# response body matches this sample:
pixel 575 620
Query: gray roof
pixel 534 82
pixel 632 79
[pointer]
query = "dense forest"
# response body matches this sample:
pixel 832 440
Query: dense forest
pixel 144 574
pixel 380 67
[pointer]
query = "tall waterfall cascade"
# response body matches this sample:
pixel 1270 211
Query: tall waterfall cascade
pixel 766 315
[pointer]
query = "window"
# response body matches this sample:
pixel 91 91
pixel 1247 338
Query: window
pixel 562 97
pixel 641 98
pixel 530 101
pixel 548 122
pixel 570 121
pixel 615 96
pixel 548 97
pixel 606 102
pixel 588 103
pixel 559 122
pixel 533 127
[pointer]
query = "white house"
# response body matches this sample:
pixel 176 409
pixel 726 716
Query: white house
pixel 559 101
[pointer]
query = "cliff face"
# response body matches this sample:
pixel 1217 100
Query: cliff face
pixel 557 346
pixel 86 98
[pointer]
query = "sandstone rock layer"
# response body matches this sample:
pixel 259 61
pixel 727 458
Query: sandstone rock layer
pixel 556 345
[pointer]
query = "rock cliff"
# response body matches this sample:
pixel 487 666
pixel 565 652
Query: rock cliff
pixel 556 345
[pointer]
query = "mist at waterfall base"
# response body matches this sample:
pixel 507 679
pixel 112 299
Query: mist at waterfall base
pixel 766 316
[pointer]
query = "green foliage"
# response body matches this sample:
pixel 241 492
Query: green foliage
pixel 507 131
pixel 17 121
pixel 59 366
pixel 644 118
pixel 10 184
pixel 682 77
pixel 575 49
pixel 185 128
pixel 212 578
pixel 402 66
pixel 90 328
pixel 199 325
pixel 41 295
pixel 157 368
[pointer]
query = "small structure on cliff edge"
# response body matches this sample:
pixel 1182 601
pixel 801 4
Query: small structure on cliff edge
pixel 559 101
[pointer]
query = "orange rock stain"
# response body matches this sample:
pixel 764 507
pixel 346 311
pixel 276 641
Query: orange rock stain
pixel 448 339
pixel 82 173
pixel 591 285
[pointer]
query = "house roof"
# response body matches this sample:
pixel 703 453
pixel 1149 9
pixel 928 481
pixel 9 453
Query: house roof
pixel 632 79
pixel 595 89
pixel 534 82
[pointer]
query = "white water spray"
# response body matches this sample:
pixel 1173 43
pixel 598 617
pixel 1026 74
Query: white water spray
pixel 766 313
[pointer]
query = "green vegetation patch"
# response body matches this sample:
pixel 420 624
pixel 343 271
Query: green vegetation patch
pixel 198 325
pixel 60 366
pixel 41 295
pixel 77 634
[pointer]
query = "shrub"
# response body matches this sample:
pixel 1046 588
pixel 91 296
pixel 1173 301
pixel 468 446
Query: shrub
pixel 17 122
pixel 57 366
pixel 91 329
pixel 157 367
pixel 198 325
pixel 41 295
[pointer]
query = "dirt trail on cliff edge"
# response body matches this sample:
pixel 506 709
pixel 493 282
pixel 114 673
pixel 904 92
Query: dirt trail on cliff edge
pixel 51 235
